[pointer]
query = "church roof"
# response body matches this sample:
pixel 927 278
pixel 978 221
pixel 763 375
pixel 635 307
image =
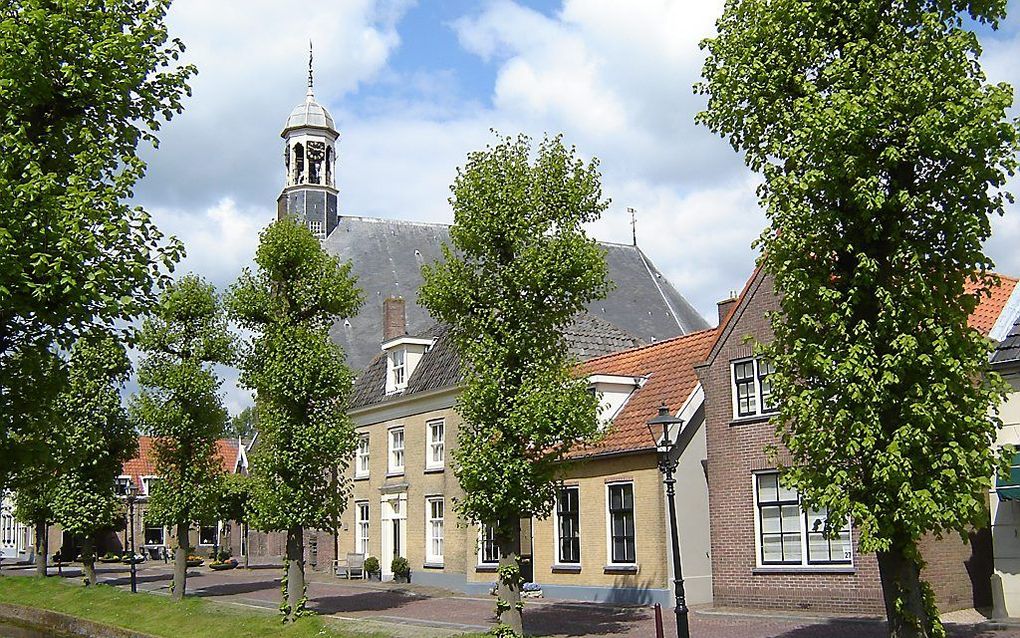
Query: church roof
pixel 387 255
pixel 310 113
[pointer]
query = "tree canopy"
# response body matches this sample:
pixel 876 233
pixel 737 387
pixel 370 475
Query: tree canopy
pixel 521 266
pixel 884 153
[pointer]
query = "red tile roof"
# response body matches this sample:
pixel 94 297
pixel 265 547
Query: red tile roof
pixel 144 463
pixel 990 306
pixel 669 368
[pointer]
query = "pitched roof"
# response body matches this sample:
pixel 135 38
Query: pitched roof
pixel 587 336
pixel 990 306
pixel 144 463
pixel 668 367
pixel 387 255
pixel 1008 350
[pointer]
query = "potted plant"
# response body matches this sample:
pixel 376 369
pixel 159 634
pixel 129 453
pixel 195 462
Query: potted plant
pixel 109 557
pixel 222 561
pixel 401 570
pixel 372 568
pixel 132 558
pixel 195 561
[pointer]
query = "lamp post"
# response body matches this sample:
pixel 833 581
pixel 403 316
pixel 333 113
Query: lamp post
pixel 659 427
pixel 131 533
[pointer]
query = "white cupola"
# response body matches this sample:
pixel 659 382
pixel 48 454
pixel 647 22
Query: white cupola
pixel 309 157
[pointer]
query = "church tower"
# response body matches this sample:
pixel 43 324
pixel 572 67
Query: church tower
pixel 309 156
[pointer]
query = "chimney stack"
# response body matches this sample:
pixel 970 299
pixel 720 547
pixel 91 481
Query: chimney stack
pixel 725 306
pixel 394 318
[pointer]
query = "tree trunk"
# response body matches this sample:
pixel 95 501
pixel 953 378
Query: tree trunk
pixel 244 543
pixel 181 562
pixel 88 560
pixel 901 579
pixel 295 570
pixel 41 548
pixel 508 590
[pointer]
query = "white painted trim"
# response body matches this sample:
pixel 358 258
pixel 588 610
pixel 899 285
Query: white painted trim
pixel 1008 316
pixel 367 437
pixel 390 467
pixel 429 464
pixel 557 559
pixel 406 406
pixel 429 556
pixel 609 522
pixel 405 340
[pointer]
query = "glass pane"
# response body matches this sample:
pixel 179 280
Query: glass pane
pixel 818 548
pixel 816 520
pixel 770 520
pixel 772 548
pixel 791 548
pixel 628 497
pixel 787 494
pixel 767 487
pixel 791 518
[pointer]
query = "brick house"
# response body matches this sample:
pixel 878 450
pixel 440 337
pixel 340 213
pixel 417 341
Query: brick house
pixel 765 552
pixel 607 537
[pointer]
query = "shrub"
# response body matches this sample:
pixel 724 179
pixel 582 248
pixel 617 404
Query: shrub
pixel 223 556
pixel 372 565
pixel 400 566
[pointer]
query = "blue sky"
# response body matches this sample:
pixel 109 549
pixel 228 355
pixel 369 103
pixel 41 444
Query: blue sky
pixel 415 86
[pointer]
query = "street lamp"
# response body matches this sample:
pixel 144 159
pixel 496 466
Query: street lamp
pixel 659 427
pixel 131 533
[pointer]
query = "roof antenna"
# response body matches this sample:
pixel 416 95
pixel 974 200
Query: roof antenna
pixel 310 94
pixel 633 225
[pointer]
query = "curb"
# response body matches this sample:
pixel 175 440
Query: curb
pixel 64 624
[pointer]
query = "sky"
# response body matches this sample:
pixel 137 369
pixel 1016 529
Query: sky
pixel 415 86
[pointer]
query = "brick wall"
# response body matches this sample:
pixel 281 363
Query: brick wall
pixel 959 572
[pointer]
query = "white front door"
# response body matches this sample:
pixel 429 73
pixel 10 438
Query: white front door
pixel 393 531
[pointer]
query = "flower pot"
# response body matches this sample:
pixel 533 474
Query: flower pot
pixel 376 576
pixel 195 562
pixel 401 578
pixel 220 567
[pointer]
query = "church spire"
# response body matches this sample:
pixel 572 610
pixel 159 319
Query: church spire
pixel 310 95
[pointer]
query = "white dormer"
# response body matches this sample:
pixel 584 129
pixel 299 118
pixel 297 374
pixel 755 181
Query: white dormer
pixel 613 392
pixel 403 354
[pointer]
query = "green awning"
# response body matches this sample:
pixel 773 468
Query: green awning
pixel 1009 488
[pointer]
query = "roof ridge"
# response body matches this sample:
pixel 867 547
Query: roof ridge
pixel 697 333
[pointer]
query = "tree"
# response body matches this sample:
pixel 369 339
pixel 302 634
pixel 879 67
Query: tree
pixel 81 88
pixel 233 504
pixel 302 385
pixel 32 506
pixel 93 438
pixel 520 268
pixel 884 154
pixel 179 405
pixel 244 423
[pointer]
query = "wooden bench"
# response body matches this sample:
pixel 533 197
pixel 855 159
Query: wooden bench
pixel 352 567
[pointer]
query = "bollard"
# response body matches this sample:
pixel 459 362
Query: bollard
pixel 658 622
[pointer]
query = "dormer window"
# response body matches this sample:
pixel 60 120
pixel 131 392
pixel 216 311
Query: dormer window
pixel 612 391
pixel 398 368
pixel 402 356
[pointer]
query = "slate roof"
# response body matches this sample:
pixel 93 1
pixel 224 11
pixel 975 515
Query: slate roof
pixel 587 337
pixel 387 255
pixel 668 367
pixel 144 463
pixel 1008 350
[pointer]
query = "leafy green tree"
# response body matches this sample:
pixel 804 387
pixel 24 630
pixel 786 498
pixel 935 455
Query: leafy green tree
pixel 244 423
pixel 83 84
pixel 520 268
pixel 93 438
pixel 33 506
pixel 884 154
pixel 179 405
pixel 302 385
pixel 233 503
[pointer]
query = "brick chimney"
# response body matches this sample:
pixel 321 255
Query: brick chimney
pixel 394 318
pixel 725 306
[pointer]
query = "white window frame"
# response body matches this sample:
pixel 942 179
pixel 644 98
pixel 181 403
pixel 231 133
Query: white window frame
pixel 757 383
pixel 362 526
pixel 432 446
pixel 125 480
pixel 431 521
pixel 805 562
pixel 398 372
pixel 396 453
pixel 481 547
pixel 557 553
pixel 363 457
pixel 162 530
pixel 147 483
pixel 609 524
pixel 216 534
pixel 316 227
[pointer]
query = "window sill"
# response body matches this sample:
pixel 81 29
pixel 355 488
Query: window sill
pixel 486 568
pixel 620 569
pixel 566 569
pixel 751 420
pixel 361 478
pixel 805 569
pixel 435 470
pixel 433 566
pixel 394 474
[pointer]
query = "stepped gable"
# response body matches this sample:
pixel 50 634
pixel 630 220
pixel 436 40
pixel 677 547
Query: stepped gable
pixel 387 255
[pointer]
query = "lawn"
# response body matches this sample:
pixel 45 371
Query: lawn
pixel 158 615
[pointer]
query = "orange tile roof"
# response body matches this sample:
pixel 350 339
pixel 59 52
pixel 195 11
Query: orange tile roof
pixel 669 368
pixel 990 306
pixel 144 462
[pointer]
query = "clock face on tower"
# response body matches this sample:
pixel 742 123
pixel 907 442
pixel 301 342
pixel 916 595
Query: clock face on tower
pixel 316 151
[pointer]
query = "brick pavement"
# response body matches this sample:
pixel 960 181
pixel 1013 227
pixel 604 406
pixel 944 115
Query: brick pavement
pixel 412 611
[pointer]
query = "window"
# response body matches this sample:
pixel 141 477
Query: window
pixel 361 461
pixel 153 534
pixel 7 529
pixel 488 550
pixel 396 450
pixel 397 368
pixel 434 526
pixel 149 483
pixel 361 526
pixel 121 484
pixel 207 534
pixel 752 390
pixel 568 532
pixel 316 227
pixel 436 452
pixel 785 529
pixel 621 523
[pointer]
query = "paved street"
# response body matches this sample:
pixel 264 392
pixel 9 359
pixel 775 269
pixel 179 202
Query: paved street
pixel 411 611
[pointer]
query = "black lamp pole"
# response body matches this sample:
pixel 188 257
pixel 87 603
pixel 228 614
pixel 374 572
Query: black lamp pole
pixel 668 463
pixel 131 533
